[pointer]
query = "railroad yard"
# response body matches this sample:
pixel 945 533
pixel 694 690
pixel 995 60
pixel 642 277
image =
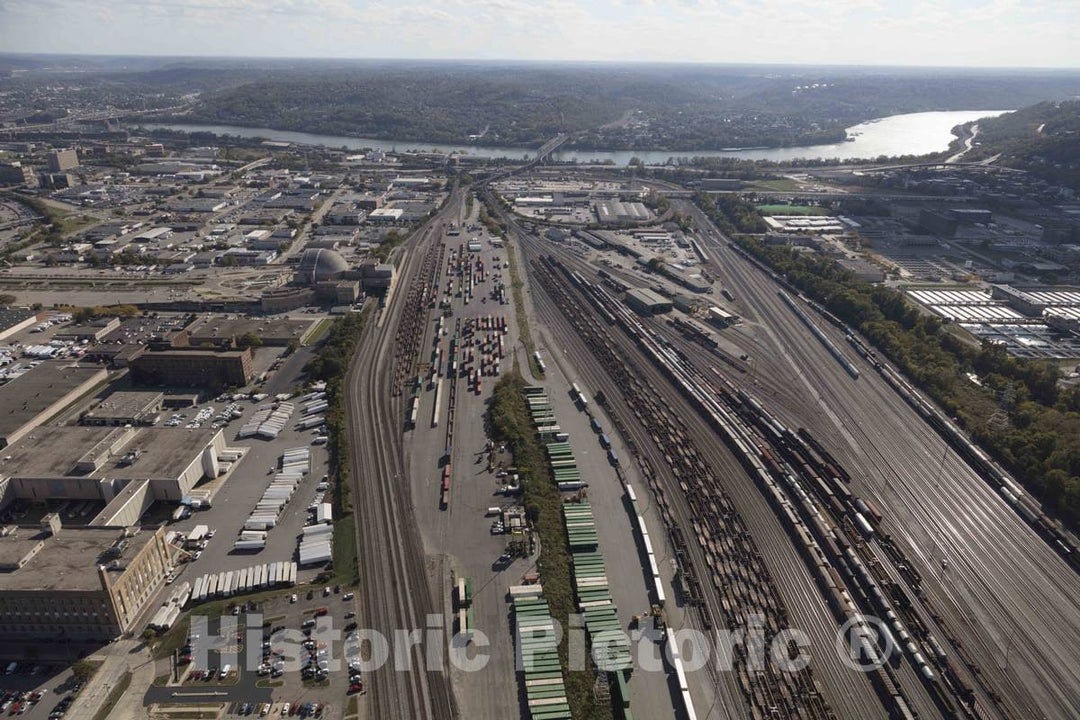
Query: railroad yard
pixel 588 392
pixel 773 470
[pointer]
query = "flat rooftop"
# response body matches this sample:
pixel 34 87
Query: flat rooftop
pixel 9 317
pixel 139 330
pixel 126 404
pixel 271 331
pixel 648 296
pixel 33 392
pixel 53 452
pixel 64 562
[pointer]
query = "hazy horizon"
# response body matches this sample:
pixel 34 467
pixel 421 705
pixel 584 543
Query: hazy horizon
pixel 495 61
pixel 955 34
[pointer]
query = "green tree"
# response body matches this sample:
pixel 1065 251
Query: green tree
pixel 249 340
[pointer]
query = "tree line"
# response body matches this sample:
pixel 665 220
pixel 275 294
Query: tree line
pixel 1017 411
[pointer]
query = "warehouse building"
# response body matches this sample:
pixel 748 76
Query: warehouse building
pixel 616 211
pixel 207 369
pixel 385 216
pixel 805 224
pixel 126 407
pixel 13 320
pixel 99 463
pixel 78 584
pixel 93 330
pixel 37 395
pixel 225 331
pixel 721 317
pixel 647 302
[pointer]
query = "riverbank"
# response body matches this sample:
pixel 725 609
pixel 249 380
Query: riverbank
pixel 893 136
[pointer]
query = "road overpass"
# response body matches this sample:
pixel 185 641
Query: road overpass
pixel 782 194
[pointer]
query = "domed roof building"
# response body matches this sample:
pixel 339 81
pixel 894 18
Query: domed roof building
pixel 319 265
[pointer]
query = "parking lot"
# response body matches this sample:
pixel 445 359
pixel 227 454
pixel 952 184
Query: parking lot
pixel 461 534
pixel 301 660
pixel 36 691
pixel 237 497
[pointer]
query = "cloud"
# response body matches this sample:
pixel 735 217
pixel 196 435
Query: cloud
pixel 918 32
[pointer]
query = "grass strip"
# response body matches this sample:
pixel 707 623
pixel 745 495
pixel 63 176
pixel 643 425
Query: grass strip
pixel 509 422
pixel 114 696
pixel 517 286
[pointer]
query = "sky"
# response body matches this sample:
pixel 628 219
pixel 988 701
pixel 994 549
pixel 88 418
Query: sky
pixel 969 33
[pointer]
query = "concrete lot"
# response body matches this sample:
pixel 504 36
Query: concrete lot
pixel 238 496
pixel 627 567
pixel 458 540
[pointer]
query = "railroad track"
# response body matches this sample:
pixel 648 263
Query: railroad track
pixel 967 613
pixel 998 571
pixel 736 569
pixel 391 559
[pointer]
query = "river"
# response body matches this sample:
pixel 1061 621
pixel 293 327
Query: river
pixel 908 134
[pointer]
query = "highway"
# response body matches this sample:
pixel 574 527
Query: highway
pixel 394 580
pixel 113 114
pixel 994 586
pixel 823 195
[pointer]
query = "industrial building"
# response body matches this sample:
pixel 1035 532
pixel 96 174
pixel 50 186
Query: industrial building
pixel 338 292
pixel 376 276
pixel 208 369
pixel 225 332
pixel 86 583
pixel 35 396
pixel 13 320
pixel 806 224
pixel 92 330
pixel 616 211
pixel 128 468
pixel 720 317
pixel 1033 302
pixel 385 215
pixel 63 160
pixel 126 407
pixel 647 302
pixel 284 299
pixel 318 265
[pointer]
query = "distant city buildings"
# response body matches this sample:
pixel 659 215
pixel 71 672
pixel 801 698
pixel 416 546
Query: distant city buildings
pixel 15 173
pixel 63 160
